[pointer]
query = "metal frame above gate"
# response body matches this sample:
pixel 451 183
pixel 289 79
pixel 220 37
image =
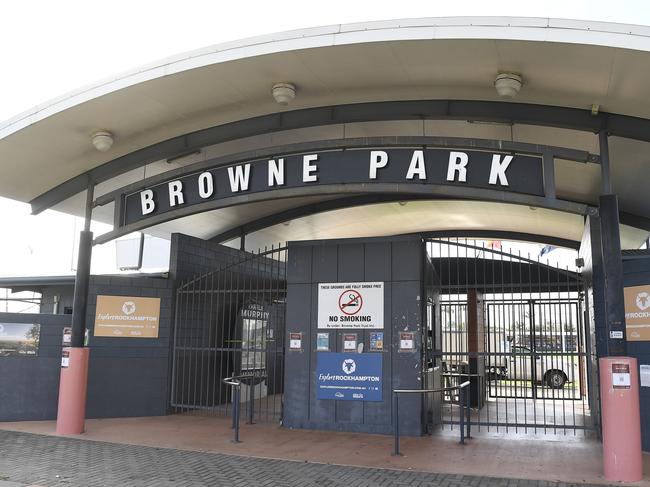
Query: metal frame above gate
pixel 471 110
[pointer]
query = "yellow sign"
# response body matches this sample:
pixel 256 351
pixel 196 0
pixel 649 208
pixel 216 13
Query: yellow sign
pixel 127 316
pixel 637 313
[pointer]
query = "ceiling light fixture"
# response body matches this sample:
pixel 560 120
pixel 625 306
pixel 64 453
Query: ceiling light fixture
pixel 508 84
pixel 102 140
pixel 284 93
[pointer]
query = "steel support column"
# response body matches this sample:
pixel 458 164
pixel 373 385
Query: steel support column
pixel 73 381
pixel 612 261
pixel 613 270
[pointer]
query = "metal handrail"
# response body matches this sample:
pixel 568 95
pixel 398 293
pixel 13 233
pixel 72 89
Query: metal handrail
pixel 464 403
pixel 235 382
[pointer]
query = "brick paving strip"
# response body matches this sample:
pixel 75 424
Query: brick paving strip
pixel 38 460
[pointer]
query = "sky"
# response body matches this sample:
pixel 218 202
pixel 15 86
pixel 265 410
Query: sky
pixel 50 48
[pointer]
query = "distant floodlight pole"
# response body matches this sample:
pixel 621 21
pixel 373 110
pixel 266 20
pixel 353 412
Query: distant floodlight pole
pixel 73 383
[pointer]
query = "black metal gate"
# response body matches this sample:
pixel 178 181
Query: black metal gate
pixel 230 322
pixel 515 327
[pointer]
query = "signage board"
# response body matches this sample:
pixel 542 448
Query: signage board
pixel 406 341
pixel 502 171
pixel 644 375
pixel 65 357
pixel 19 339
pixel 127 317
pixel 323 342
pixel 295 341
pixel 351 305
pixel 637 313
pixel 350 342
pixel 621 376
pixel 349 376
pixel 376 341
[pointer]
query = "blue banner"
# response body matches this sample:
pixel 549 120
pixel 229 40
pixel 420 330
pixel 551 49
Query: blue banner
pixel 349 376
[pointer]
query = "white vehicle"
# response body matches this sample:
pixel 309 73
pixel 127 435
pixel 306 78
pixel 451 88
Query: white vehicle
pixel 552 370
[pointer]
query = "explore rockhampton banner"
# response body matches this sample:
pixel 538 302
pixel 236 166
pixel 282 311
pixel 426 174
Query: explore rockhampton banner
pixel 349 376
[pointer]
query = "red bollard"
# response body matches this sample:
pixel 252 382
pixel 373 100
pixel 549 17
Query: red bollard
pixel 619 399
pixel 71 415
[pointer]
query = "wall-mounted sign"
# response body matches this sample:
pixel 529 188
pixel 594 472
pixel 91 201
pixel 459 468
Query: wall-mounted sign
pixel 295 341
pixel 349 376
pixel 376 341
pixel 127 316
pixel 19 339
pixel 65 357
pixel 406 341
pixel 67 336
pixel 351 305
pixel 350 342
pixel 637 313
pixel 323 342
pixel 494 170
pixel 621 376
pixel 644 375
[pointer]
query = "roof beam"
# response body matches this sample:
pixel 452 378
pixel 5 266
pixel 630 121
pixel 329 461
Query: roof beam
pixel 523 113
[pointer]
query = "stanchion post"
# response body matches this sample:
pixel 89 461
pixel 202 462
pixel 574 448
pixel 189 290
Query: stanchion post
pixel 236 412
pixel 396 452
pixel 469 411
pixel 462 415
pixel 251 401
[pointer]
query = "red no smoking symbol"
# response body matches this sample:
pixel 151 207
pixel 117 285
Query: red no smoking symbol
pixel 350 302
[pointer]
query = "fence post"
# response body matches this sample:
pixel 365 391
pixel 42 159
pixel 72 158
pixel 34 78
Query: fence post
pixel 462 415
pixel 236 412
pixel 396 423
pixel 469 411
pixel 233 391
pixel 251 401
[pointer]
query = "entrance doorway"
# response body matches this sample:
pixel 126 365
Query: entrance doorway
pixel 514 325
pixel 230 322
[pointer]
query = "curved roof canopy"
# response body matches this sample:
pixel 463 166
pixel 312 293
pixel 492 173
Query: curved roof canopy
pixel 443 67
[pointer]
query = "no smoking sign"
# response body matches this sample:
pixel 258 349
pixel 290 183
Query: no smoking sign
pixel 350 302
pixel 351 305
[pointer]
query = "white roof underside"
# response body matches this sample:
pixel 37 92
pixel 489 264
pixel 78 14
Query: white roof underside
pixel 564 63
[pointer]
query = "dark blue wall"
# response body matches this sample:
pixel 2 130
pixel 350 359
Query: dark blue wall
pixel 399 264
pixel 29 386
pixel 636 272
pixel 127 376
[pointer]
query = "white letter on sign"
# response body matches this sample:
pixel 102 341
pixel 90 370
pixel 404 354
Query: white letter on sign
pixel 308 168
pixel 146 200
pixel 176 193
pixel 238 176
pixel 457 164
pixel 206 185
pixel 276 172
pixel 499 169
pixel 378 159
pixel 417 166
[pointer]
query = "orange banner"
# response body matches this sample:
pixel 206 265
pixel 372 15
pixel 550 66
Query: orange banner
pixel 637 313
pixel 127 316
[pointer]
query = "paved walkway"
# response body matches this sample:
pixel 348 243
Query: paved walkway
pixel 30 459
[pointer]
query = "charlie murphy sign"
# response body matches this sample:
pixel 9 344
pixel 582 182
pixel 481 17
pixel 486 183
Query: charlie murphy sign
pixel 351 305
